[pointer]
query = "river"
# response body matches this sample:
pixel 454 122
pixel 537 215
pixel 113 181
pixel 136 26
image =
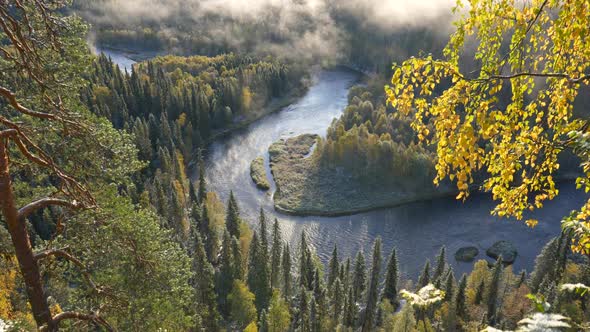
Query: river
pixel 417 230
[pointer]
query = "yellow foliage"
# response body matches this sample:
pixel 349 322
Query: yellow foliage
pixel 252 327
pixel 512 116
pixel 246 98
pixel 8 273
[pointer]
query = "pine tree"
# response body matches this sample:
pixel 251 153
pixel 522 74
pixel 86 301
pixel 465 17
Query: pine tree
pixel 333 266
pixel 203 284
pixel 391 279
pixel 460 297
pixel 424 278
pixel 286 271
pixel 275 255
pixel 359 277
pixel 232 217
pixel 373 289
pixel 494 287
pixel 258 276
pixel 440 268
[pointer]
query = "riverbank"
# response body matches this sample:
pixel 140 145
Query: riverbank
pixel 306 188
pixel 273 106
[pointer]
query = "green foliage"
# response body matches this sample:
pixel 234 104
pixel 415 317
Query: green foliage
pixel 373 289
pixel 125 249
pixel 279 317
pixel 241 300
pixel 391 279
pixel 258 278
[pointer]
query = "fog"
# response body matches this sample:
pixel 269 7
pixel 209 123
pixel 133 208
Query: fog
pixel 293 27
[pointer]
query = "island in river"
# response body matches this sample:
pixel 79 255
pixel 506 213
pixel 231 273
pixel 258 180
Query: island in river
pixel 305 186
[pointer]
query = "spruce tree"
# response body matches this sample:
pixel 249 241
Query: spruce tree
pixel 225 276
pixel 359 277
pixel 424 278
pixel 373 289
pixel 544 264
pixel 202 181
pixel 346 275
pixel 258 276
pixel 479 292
pixel 275 255
pixel 521 279
pixel 204 285
pixel 263 322
pixel 286 271
pixel 238 264
pixel 232 216
pixel 494 287
pixel 304 254
pixel 303 320
pixel 192 192
pixel 350 309
pixel 333 267
pixel 209 236
pixel 449 285
pixel 440 268
pixel 314 316
pixel 263 234
pixel 460 297
pixel 337 300
pixel 391 279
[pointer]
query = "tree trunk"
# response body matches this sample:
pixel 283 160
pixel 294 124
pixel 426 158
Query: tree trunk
pixel 22 244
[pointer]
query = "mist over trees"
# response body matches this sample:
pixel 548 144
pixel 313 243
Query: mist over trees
pixel 102 229
pixel 366 34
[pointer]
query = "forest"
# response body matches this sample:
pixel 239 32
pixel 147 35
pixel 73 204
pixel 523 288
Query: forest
pixel 103 228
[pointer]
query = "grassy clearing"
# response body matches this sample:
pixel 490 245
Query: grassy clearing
pixel 258 173
pixel 304 187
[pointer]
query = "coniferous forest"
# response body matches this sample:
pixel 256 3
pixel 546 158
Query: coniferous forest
pixel 110 219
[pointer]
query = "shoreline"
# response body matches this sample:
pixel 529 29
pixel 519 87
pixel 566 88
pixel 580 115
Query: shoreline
pixel 400 202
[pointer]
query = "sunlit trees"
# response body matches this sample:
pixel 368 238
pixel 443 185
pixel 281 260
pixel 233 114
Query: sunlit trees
pixel 241 302
pixel 513 115
pixel 279 317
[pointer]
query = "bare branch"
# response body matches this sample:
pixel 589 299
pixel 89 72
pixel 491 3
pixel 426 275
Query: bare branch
pixel 30 208
pixel 92 317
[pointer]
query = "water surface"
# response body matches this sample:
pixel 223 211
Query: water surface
pixel 417 230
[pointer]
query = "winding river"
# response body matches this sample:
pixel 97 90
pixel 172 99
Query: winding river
pixel 417 230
